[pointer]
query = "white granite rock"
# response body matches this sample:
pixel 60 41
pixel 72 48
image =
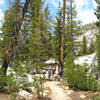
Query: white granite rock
pixel 82 96
pixel 69 92
pixel 24 95
pixel 66 88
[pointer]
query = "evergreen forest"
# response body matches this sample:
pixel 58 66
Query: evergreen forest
pixel 47 52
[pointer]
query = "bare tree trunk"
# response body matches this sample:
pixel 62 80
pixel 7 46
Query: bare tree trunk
pixel 13 40
pixel 60 71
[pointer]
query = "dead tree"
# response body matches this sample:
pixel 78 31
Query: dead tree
pixel 13 39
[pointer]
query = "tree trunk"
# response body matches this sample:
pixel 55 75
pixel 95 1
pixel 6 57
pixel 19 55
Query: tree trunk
pixel 14 39
pixel 59 67
pixel 62 41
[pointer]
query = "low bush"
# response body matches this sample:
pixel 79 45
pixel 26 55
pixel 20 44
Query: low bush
pixel 38 86
pixel 3 83
pixel 15 79
pixel 95 97
pixel 78 78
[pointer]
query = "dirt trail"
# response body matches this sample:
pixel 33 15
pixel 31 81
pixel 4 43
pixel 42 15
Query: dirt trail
pixel 57 93
pixel 4 97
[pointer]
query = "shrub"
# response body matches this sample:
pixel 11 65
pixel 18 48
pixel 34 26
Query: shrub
pixel 16 79
pixel 38 86
pixel 95 97
pixel 2 83
pixel 13 96
pixel 78 78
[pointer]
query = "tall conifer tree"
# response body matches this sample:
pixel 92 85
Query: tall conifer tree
pixel 73 29
pixel 14 37
pixel 97 13
pixel 57 33
pixel 60 69
pixel 84 48
pixel 39 37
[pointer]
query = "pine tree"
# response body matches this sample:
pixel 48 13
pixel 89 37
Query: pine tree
pixel 73 29
pixel 60 69
pixel 98 49
pixel 39 37
pixel 97 13
pixel 84 49
pixel 11 17
pixel 57 34
pixel 8 27
pixel 14 38
pixel 92 47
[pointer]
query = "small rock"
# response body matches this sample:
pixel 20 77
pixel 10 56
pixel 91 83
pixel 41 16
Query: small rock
pixel 45 92
pixel 24 95
pixel 61 80
pixel 58 83
pixel 66 88
pixel 69 92
pixel 82 96
pixel 28 89
pixel 32 89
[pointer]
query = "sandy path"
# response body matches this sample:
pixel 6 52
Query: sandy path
pixel 4 97
pixel 57 93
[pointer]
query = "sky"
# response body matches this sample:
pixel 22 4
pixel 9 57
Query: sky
pixel 85 9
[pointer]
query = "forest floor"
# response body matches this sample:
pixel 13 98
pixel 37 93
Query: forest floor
pixel 59 91
pixel 4 96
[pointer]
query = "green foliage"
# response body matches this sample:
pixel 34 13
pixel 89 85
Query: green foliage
pixel 57 33
pixel 33 46
pixel 98 49
pixel 95 97
pixel 73 30
pixel 39 39
pixel 11 17
pixel 38 86
pixel 2 83
pixel 13 96
pixel 97 12
pixel 92 47
pixel 78 78
pixel 16 79
pixel 84 48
